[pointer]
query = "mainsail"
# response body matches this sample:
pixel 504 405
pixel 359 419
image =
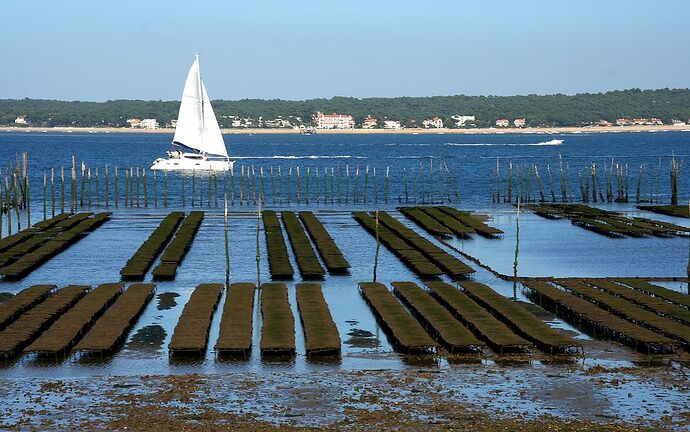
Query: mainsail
pixel 197 127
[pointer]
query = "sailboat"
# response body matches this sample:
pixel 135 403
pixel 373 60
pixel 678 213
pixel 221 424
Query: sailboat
pixel 198 144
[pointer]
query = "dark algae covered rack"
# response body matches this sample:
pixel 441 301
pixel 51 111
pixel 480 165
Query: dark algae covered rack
pixel 437 320
pixel 485 326
pixel 597 321
pixel 406 334
pixel 61 336
pixel 329 251
pixel 235 334
pixel 320 332
pixel 138 265
pixel 307 261
pixel 27 327
pixel 24 300
pixel 191 332
pixel 278 258
pixel 520 320
pixel 112 328
pixel 278 326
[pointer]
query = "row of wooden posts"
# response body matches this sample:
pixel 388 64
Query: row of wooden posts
pixel 81 187
pixel 524 181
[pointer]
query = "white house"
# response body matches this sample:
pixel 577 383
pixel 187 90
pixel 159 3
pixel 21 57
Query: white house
pixel 460 120
pixel 519 122
pixel 334 121
pixel 134 122
pixel 502 122
pixel 149 124
pixel 435 122
pixel 391 124
pixel 21 119
pixel 369 122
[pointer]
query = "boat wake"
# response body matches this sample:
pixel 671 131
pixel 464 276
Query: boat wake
pixel 302 157
pixel 553 142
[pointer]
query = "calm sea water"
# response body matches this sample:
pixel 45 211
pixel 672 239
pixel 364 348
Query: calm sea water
pixel 471 159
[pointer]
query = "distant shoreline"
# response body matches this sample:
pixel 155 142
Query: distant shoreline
pixel 544 130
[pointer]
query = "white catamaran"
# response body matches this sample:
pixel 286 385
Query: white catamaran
pixel 198 144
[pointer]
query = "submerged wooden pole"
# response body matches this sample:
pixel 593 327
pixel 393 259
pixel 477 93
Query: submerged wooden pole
pixel 517 250
pixel 298 187
pixel 9 206
pixel 258 247
pixel 347 184
pixel 89 187
pixel 73 186
pixel 146 192
pixel 273 191
pixel 52 192
pixel 137 190
pixel 225 232
pixel 262 192
pixel 241 197
pixel 365 189
pixel 280 185
pixel 107 191
pixel 193 186
pixel 45 198
pixel 232 186
pixel 378 246
pixel 62 189
pixel 215 189
pixel 155 189
pixel 289 194
pixel 98 190
pixel 83 184
pixel 184 198
pixel 2 207
pixel 306 188
pixel 116 193
pixel 388 181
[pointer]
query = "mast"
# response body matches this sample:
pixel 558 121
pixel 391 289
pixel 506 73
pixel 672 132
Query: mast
pixel 201 99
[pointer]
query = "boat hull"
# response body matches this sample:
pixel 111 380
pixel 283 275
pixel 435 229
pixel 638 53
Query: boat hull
pixel 174 164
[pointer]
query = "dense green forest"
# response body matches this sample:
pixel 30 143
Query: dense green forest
pixel 539 110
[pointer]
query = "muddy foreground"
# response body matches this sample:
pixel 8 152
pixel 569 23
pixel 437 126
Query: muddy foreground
pixel 463 397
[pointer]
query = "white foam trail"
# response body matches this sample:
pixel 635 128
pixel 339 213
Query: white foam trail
pixel 553 142
pixel 301 157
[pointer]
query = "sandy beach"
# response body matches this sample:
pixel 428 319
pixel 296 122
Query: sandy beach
pixel 256 131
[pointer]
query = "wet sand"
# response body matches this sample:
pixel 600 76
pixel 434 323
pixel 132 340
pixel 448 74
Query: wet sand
pixel 465 398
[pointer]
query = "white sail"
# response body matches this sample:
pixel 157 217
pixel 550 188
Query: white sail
pixel 212 138
pixel 197 126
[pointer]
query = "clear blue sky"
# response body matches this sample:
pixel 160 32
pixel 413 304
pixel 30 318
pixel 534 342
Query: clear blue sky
pixel 124 49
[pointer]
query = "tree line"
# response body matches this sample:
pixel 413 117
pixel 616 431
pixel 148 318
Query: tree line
pixel 539 110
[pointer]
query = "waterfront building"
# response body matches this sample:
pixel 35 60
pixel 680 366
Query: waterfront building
pixel 435 122
pixel 149 124
pixel 623 122
pixel 503 122
pixel 277 123
pixel 21 119
pixel 391 124
pixel 134 122
pixel 334 121
pixel 460 120
pixel 369 122
pixel 173 123
pixel 519 122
